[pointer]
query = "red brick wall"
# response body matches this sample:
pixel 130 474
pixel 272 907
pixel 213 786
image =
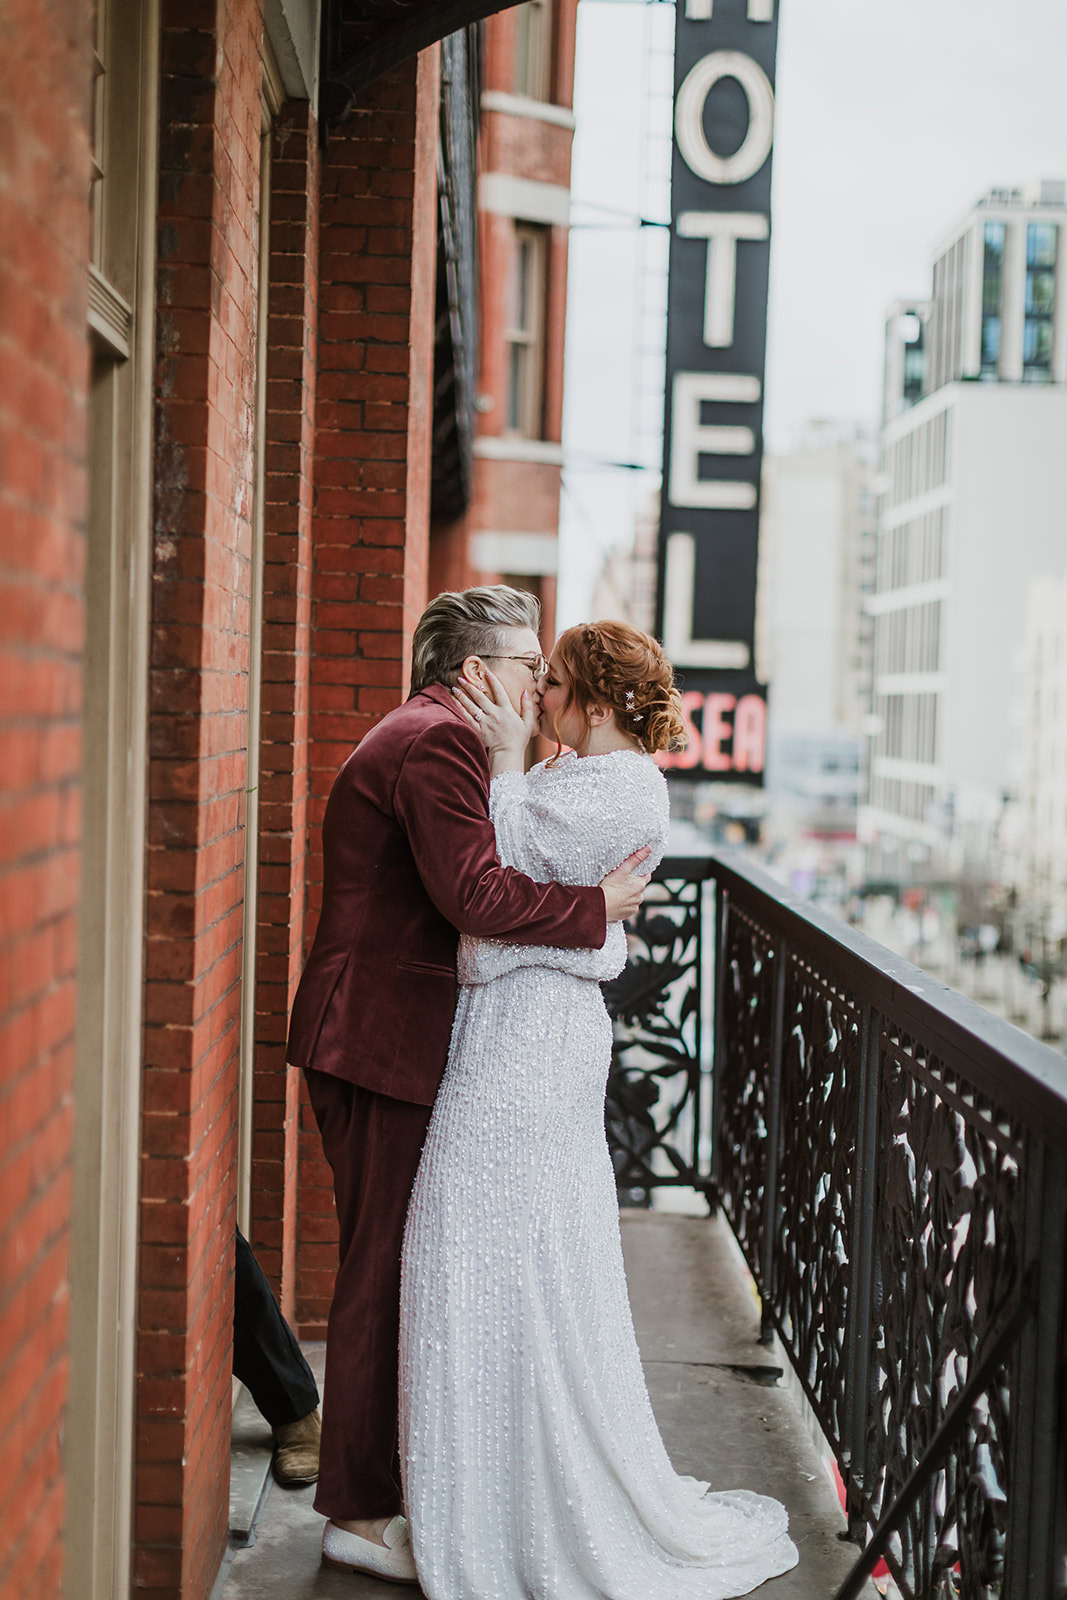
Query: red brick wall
pixel 450 562
pixel 370 530
pixel 516 496
pixel 44 99
pixel 526 147
pixel 564 43
pixel 286 669
pixel 205 389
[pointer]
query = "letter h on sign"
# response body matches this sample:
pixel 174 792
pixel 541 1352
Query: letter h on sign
pixel 716 345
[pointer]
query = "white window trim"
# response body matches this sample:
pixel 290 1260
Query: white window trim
pixel 507 196
pixel 516 447
pixel 525 554
pixel 908 683
pixel 517 105
pixel 916 594
pixel 101 1415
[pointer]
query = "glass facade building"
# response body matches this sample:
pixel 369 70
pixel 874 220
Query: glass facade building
pixel 950 511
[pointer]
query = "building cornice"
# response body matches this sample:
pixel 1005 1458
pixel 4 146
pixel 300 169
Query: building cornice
pixel 493 447
pixel 518 105
pixel 912 594
pixel 528 554
pixel 508 196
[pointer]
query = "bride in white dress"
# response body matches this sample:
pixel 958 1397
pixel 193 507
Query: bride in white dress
pixel 533 1466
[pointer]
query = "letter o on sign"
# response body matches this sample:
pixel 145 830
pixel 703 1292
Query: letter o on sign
pixel 689 117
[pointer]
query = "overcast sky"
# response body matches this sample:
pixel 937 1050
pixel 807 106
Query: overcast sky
pixel 893 116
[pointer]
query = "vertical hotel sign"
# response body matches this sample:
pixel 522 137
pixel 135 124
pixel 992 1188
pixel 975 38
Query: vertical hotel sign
pixel 716 347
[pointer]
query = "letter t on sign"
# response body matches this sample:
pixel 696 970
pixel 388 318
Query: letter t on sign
pixel 722 230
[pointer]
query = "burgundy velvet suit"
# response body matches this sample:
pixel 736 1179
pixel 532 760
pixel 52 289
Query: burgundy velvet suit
pixel 409 862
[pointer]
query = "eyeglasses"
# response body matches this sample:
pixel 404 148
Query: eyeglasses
pixel 538 665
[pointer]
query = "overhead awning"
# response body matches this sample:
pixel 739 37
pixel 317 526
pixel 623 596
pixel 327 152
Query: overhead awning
pixel 362 39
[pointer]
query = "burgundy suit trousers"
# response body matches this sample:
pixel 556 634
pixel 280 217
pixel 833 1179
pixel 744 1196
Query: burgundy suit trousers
pixel 373 1144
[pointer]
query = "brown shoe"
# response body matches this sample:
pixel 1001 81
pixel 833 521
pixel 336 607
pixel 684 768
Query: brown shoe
pixel 296 1451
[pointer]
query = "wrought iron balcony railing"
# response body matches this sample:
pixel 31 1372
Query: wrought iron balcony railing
pixel 892 1159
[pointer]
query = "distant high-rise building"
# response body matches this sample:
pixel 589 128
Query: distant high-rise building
pixel 973 505
pixel 813 636
pixel 997 280
pixel 1043 719
pixel 626 584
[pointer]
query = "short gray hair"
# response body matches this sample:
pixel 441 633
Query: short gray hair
pixel 467 622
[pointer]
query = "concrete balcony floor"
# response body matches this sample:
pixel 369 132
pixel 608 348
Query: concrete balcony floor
pixel 724 1412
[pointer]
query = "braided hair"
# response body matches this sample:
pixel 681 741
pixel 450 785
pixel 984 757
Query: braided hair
pixel 618 667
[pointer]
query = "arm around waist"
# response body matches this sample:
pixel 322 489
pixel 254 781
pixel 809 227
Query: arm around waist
pixel 441 801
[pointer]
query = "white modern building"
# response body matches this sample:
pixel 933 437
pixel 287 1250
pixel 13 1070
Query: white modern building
pixel 1042 862
pixel 813 635
pixel 625 587
pixel 973 507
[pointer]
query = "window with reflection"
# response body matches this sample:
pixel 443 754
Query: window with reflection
pixel 525 332
pixel 912 337
pixel 533 49
pixel 992 288
pixel 1041 246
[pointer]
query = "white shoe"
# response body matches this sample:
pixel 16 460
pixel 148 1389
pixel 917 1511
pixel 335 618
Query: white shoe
pixel 392 1561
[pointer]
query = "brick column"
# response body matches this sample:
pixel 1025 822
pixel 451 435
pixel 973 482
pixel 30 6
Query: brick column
pixel 370 530
pixel 44 369
pixel 198 699
pixel 283 834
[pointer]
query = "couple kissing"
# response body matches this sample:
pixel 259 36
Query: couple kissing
pixel 486 1430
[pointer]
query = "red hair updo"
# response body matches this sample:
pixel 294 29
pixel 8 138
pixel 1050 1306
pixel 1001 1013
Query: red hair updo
pixel 616 666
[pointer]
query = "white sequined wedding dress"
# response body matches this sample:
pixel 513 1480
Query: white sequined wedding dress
pixel 533 1466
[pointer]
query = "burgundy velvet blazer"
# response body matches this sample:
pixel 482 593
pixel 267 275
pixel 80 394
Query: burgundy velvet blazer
pixel 409 863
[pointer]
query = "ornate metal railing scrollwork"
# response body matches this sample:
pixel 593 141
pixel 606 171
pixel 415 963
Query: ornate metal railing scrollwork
pixel 893 1162
pixel 657 1105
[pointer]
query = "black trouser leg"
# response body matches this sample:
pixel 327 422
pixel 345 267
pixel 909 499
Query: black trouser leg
pixel 266 1356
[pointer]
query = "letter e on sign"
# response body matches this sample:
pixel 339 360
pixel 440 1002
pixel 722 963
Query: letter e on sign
pixel 717 732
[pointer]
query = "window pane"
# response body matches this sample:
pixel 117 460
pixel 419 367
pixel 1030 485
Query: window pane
pixel 1040 292
pixel 1043 344
pixel 992 264
pixel 1041 244
pixel 531 49
pixel 517 356
pixel 525 331
pixel 523 24
pixel 990 341
pixel 994 238
pixel 1037 342
pixel 522 286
